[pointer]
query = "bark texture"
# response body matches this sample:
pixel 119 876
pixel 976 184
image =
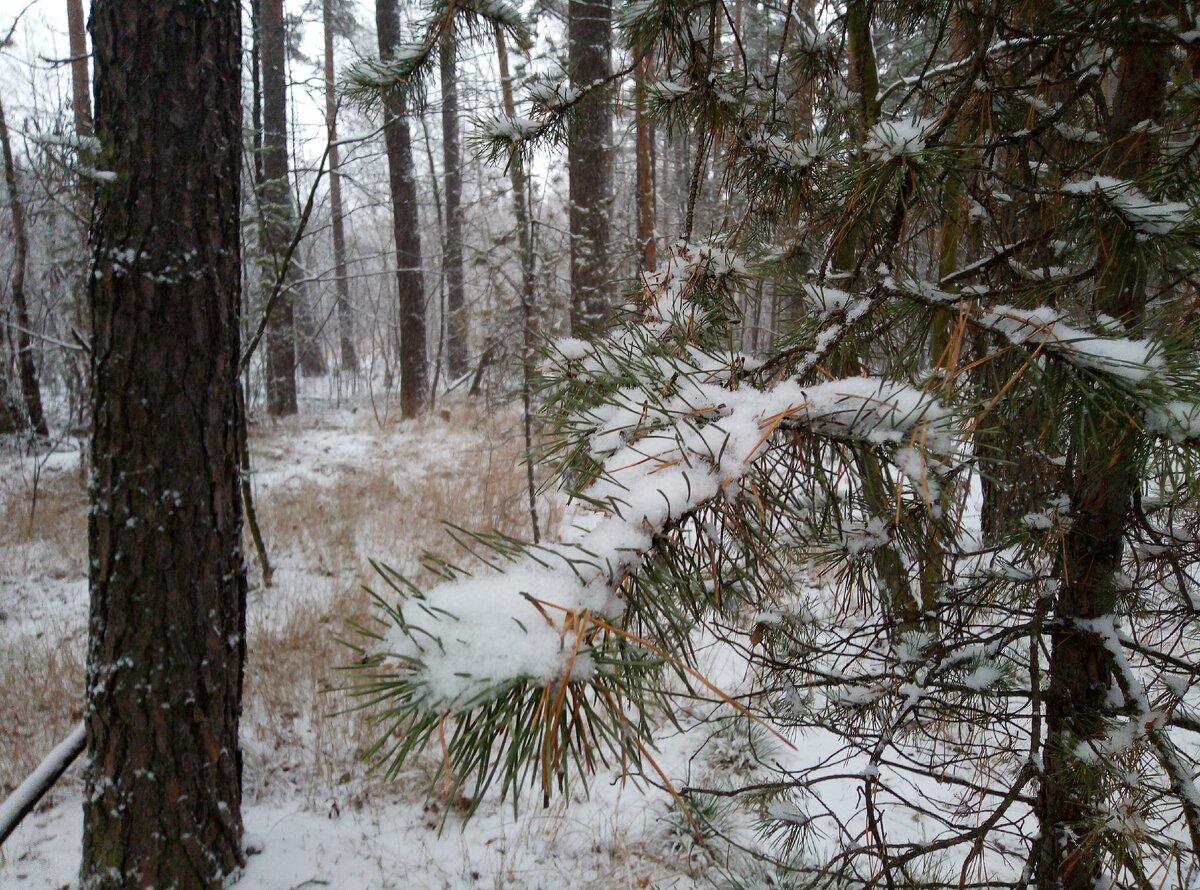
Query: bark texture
pixel 345 315
pixel 589 33
pixel 1105 479
pixel 644 138
pixel 456 307
pixel 167 621
pixel 414 379
pixel 25 362
pixel 278 219
pixel 81 94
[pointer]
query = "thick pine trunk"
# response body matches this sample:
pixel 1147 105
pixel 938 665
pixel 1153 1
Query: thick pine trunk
pixel 456 308
pixel 345 316
pixel 414 375
pixel 25 363
pixel 863 80
pixel 589 27
pixel 275 201
pixel 167 622
pixel 1105 480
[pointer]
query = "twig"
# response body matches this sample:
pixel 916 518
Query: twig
pixel 21 802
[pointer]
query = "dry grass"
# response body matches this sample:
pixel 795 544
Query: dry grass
pixel 326 512
pixel 43 526
pixel 41 700
pixel 43 542
pixel 300 737
pixel 322 533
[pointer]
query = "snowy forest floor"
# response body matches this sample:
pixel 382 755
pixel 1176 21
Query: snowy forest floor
pixel 335 489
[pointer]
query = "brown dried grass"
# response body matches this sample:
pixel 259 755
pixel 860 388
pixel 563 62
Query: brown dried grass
pixel 322 536
pixel 301 730
pixel 43 542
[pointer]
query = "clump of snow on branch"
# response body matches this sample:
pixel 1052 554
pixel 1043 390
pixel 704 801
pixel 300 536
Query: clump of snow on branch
pixel 786 155
pixel 472 637
pixel 1143 214
pixel 1179 421
pixel 1133 360
pixel 897 139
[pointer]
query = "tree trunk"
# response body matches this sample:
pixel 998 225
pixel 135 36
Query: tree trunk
pixel 81 96
pixel 310 350
pixel 345 316
pixel 167 623
pixel 452 256
pixel 589 29
pixel 805 101
pixel 275 201
pixel 1106 477
pixel 863 81
pixel 25 363
pixel 528 296
pixel 645 167
pixel 81 109
pixel 414 385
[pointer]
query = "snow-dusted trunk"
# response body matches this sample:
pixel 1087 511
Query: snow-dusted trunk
pixel 25 363
pixel 456 308
pixel 167 622
pixel 589 162
pixel 345 316
pixel 275 202
pixel 1106 476
pixel 805 100
pixel 414 375
pixel 645 167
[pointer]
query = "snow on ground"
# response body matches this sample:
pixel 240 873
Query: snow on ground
pixel 608 842
pixel 41 582
pixel 318 816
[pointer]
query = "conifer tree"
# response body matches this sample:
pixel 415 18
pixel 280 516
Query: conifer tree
pixel 277 212
pixel 345 317
pixel 991 236
pixel 166 627
pixel 589 162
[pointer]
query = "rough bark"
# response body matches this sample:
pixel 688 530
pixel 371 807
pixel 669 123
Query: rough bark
pixel 644 137
pixel 589 31
pixel 167 622
pixel 1105 479
pixel 26 366
pixel 275 202
pixel 863 81
pixel 805 100
pixel 414 385
pixel 81 95
pixel 345 316
pixel 452 256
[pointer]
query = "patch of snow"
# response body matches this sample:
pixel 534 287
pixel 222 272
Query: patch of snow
pixel 888 140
